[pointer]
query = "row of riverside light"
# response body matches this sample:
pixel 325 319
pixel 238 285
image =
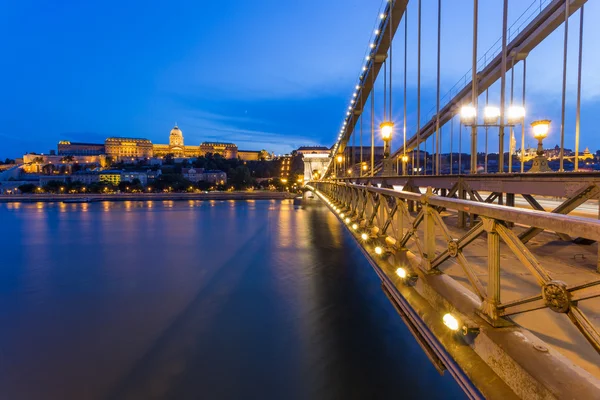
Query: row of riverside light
pixel 448 319
pixel 368 58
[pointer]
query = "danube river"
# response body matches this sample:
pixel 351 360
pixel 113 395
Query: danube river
pixel 197 300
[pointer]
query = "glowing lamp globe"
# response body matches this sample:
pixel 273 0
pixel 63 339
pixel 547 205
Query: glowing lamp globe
pixel 491 115
pixel 515 114
pixel 386 130
pixel 468 115
pixel 540 128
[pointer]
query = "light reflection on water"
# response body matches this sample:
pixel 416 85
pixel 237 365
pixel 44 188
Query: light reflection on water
pixel 214 300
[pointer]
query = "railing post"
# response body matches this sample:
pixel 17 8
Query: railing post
pixel 462 194
pixel 489 307
pixel 510 201
pixel 429 229
pixel 400 219
pixel 382 211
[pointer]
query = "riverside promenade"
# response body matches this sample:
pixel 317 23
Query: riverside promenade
pixel 247 195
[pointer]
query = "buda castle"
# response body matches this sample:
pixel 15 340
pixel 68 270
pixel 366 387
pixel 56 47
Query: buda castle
pixel 122 148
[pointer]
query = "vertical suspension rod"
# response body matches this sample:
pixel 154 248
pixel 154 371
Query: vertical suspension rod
pixel 474 85
pixel 502 88
pixel 437 104
pixel 523 121
pixel 564 89
pixel 419 88
pixel 578 112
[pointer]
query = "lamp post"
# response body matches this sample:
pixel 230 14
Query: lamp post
pixel 491 118
pixel 540 132
pixel 339 160
pixel 365 167
pixel 404 162
pixel 387 128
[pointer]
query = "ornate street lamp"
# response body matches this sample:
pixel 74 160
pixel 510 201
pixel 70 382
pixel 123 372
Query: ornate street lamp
pixel 387 129
pixel 404 163
pixel 339 160
pixel 540 132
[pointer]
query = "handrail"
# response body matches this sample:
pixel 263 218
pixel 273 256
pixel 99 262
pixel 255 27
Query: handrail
pixel 571 225
pixel 393 219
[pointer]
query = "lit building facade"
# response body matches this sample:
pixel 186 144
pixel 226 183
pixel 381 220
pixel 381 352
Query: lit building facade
pixel 120 148
pixel 66 148
pixel 176 146
pixel 285 168
pixel 226 150
pixel 35 163
pixel 113 177
pixel 248 155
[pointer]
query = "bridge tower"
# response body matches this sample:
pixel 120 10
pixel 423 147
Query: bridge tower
pixel 315 160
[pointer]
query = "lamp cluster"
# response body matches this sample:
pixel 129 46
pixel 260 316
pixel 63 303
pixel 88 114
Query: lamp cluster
pixel 491 115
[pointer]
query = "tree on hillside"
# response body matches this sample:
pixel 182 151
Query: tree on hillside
pixel 28 188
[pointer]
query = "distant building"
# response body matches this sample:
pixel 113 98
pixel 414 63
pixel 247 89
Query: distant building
pixel 34 163
pixel 111 176
pixel 193 174
pixel 120 148
pixel 200 175
pixel 153 175
pixel 44 179
pixel 66 148
pixel 216 177
pixel 285 168
pixel 85 177
pixel 248 155
pixel 129 176
pixel 226 150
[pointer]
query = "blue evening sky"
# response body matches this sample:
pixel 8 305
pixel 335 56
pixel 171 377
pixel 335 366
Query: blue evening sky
pixel 262 74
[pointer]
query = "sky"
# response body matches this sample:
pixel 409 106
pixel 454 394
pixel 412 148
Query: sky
pixel 262 74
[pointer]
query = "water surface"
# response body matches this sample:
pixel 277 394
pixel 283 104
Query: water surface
pixel 190 300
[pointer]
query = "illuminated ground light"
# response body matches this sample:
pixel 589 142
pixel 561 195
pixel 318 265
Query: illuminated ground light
pixel 451 322
pixel 364 236
pixel 401 272
pixel 347 220
pixel 354 226
pixel 378 250
pixel 342 215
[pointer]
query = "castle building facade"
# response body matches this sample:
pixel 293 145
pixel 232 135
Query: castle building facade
pixel 130 149
pixel 67 148
pixel 122 148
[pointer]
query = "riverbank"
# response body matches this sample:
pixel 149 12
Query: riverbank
pixel 46 198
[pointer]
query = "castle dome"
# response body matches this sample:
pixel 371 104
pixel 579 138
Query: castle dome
pixel 176 137
pixel 176 131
